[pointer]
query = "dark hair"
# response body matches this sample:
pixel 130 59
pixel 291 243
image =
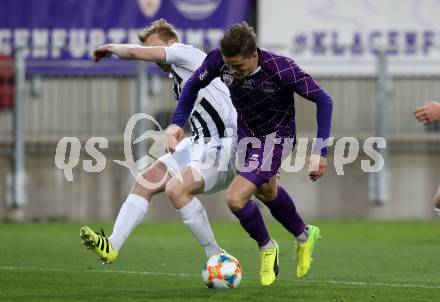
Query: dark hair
pixel 165 30
pixel 240 39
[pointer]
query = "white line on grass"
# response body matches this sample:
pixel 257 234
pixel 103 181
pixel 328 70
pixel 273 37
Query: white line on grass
pixel 43 269
pixel 341 282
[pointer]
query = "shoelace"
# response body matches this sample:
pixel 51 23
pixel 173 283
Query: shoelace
pixel 266 265
pixel 299 251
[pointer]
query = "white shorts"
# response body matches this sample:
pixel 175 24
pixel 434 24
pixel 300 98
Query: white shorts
pixel 213 160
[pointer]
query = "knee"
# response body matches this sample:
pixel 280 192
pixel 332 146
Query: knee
pixel 235 203
pixel 174 190
pixel 178 191
pixel 141 190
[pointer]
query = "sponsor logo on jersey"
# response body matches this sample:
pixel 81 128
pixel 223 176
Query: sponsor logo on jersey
pixel 268 86
pixel 247 84
pixel 203 75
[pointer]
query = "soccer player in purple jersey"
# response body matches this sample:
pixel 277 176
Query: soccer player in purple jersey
pixel 262 85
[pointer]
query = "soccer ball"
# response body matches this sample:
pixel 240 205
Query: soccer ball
pixel 222 271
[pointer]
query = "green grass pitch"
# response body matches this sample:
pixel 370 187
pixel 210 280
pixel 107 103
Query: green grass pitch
pixel 355 261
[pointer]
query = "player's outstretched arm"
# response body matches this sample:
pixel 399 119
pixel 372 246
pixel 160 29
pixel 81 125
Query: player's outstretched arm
pixel 200 79
pixel 428 113
pixel 130 51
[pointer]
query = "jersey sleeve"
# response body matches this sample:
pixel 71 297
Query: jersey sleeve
pixel 302 83
pixel 208 71
pixel 179 54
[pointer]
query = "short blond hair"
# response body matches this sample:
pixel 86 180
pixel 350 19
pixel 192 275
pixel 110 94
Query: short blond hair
pixel 162 27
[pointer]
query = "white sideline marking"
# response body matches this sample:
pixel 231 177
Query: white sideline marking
pixel 358 283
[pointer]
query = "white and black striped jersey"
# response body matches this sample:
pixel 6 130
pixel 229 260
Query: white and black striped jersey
pixel 213 112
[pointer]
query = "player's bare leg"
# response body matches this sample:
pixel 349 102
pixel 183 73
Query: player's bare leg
pixel 267 191
pixel 193 214
pixel 239 193
pixel 157 174
pixel 181 192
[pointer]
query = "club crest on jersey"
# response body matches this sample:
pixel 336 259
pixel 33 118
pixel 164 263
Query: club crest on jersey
pixel 227 79
pixel 268 86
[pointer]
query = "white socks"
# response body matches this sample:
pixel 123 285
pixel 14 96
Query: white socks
pixel 130 215
pixel 437 210
pixel 268 245
pixel 195 218
pixel 303 236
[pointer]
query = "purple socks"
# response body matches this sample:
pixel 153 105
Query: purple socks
pixel 251 220
pixel 283 209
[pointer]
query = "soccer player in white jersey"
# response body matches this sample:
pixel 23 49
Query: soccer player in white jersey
pixel 427 114
pixel 184 173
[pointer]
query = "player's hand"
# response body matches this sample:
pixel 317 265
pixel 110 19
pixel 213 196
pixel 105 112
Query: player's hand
pixel 428 113
pixel 317 166
pixel 101 52
pixel 172 136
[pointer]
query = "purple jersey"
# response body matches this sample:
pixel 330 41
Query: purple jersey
pixel 264 100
